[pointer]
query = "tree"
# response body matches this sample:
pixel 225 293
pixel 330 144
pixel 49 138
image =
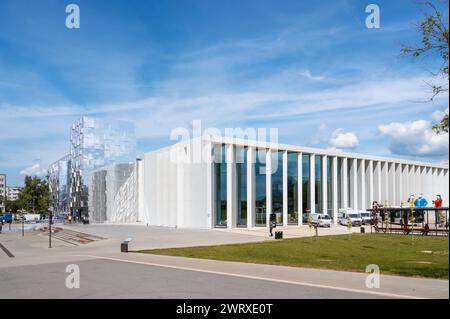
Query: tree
pixel 435 41
pixel 35 195
pixel 2 201
pixel 12 206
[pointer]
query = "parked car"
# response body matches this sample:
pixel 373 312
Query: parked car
pixel 365 217
pixel 8 218
pixel 345 214
pixel 321 220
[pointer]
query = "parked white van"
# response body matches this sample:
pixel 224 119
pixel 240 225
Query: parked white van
pixel 345 214
pixel 321 220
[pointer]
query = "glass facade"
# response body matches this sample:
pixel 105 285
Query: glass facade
pixel 96 143
pixel 292 188
pixel 305 186
pixel 220 181
pixel 260 188
pixel 330 195
pixel 277 185
pixel 58 178
pixel 241 174
pixel 326 173
pixel 319 184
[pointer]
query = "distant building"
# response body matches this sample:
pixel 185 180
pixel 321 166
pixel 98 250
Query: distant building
pixel 109 197
pixel 2 192
pixel 94 143
pixel 13 192
pixel 58 178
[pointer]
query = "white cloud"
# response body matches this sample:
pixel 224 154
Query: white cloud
pixel 438 115
pixel 307 74
pixel 415 139
pixel 34 170
pixel 342 139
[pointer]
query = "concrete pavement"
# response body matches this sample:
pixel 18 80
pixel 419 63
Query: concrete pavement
pixel 103 268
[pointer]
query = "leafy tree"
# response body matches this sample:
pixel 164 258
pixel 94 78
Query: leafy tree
pixel 35 195
pixel 2 200
pixel 13 206
pixel 435 41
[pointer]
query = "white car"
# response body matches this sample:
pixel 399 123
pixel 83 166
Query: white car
pixel 344 215
pixel 365 217
pixel 321 220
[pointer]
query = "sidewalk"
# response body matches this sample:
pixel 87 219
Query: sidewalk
pixel 390 286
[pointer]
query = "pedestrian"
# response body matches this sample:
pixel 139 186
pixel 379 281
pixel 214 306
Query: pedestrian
pixel 420 201
pixel 438 201
pixel 272 223
pixel 411 201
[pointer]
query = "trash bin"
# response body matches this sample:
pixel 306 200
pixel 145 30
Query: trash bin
pixel 363 230
pixel 278 235
pixel 124 247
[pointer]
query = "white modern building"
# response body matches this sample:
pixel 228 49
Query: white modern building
pixel 2 192
pixel 13 192
pixel 213 182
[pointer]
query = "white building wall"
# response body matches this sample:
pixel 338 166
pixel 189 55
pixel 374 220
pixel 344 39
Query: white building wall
pixel 312 184
pixel 335 189
pixel 268 185
pixel 300 188
pixel 231 186
pixel 178 194
pixel 377 182
pixel 445 192
pixel 324 185
pixel 344 183
pixel 361 184
pixel 369 181
pixel 285 187
pixel 251 159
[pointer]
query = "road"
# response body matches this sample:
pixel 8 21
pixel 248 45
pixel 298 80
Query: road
pixel 36 271
pixel 114 279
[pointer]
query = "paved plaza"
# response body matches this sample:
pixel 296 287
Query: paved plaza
pixel 36 271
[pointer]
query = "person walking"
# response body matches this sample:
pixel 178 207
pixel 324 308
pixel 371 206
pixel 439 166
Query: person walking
pixel 272 223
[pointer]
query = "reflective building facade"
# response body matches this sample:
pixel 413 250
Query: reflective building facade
pixel 94 143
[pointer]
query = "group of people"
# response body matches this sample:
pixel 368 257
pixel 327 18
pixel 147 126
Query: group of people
pixel 421 201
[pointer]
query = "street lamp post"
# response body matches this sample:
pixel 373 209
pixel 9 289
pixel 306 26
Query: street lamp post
pixel 50 230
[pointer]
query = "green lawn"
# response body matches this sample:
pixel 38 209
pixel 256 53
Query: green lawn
pixel 394 254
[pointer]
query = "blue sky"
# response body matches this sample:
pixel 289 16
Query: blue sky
pixel 311 69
